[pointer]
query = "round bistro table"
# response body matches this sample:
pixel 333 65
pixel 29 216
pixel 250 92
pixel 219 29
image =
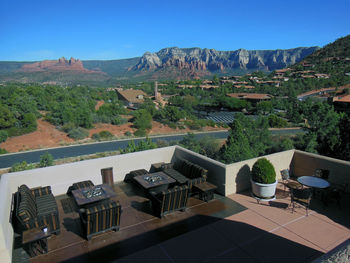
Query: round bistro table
pixel 314 182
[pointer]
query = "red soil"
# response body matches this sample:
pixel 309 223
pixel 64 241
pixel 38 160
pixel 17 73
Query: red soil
pixel 47 136
pixel 99 104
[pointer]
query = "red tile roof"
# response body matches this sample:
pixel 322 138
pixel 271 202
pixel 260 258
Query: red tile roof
pixel 250 96
pixel 345 98
pixel 132 95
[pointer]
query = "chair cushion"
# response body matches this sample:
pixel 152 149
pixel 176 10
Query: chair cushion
pixel 27 207
pixel 25 191
pixel 46 204
pixel 285 174
pixel 176 175
pixel 83 184
pixel 25 210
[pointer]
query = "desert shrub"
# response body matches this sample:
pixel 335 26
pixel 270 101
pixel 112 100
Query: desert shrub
pixel 118 120
pixel 263 172
pixel 140 133
pixel 211 123
pixel 3 136
pixel 21 167
pixel 78 133
pixel 46 160
pixel 127 133
pixel 141 146
pixel 105 134
pixel 3 151
pixel 96 137
pixel 172 125
pixel 67 127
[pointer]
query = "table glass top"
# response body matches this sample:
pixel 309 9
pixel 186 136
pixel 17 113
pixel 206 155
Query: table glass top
pixel 313 181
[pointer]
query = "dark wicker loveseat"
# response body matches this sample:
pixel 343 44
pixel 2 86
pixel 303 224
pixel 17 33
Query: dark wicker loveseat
pixel 185 172
pixel 100 218
pixel 170 200
pixel 35 208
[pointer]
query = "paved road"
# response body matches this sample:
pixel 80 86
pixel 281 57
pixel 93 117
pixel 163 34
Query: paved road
pixel 7 160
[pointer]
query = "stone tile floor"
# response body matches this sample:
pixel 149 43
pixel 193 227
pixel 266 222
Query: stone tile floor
pixel 265 232
pixel 220 231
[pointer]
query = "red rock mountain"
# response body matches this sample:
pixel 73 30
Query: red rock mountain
pixel 61 64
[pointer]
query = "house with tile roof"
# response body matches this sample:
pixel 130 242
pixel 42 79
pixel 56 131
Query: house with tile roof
pixel 131 97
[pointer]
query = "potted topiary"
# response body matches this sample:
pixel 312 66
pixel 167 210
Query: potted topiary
pixel 263 179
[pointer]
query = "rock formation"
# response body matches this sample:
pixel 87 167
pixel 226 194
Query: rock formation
pixel 61 64
pixel 210 60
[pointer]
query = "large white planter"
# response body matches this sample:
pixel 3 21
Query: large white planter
pixel 264 191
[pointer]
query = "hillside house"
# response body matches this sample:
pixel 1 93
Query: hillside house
pixel 131 97
pixel 342 103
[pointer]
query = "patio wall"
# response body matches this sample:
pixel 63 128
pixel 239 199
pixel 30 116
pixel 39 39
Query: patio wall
pixel 60 177
pixel 216 170
pixel 238 174
pixel 304 163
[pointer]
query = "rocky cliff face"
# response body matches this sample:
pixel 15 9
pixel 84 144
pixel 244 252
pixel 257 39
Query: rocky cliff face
pixel 61 64
pixel 198 60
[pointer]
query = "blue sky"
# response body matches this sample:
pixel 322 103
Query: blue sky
pixel 49 29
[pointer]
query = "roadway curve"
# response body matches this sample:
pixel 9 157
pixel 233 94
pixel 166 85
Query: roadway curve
pixel 7 160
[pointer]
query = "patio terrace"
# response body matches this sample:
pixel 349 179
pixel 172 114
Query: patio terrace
pixel 219 231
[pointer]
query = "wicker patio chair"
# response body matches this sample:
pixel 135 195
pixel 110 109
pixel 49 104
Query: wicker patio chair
pixel 302 197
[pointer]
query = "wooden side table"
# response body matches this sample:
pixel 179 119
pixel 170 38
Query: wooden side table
pixel 35 240
pixel 205 190
pixel 107 176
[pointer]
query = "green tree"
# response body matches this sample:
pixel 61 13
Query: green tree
pixel 264 107
pixel 237 146
pixel 29 122
pixel 46 160
pixel 324 124
pixel 7 118
pixel 143 119
pixel 172 113
pixel 3 136
pixel 215 80
pixel 277 122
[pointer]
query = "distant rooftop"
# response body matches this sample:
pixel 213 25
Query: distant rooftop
pixel 132 95
pixel 250 96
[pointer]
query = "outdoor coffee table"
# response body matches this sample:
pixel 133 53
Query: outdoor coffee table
pixel 155 182
pixel 92 194
pixel 36 240
pixel 205 190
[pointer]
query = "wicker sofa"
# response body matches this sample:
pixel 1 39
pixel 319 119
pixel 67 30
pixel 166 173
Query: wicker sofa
pixel 185 172
pixel 170 200
pixel 100 218
pixel 35 208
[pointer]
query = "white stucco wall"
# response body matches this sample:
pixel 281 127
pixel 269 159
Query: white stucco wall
pixel 305 164
pixel 238 174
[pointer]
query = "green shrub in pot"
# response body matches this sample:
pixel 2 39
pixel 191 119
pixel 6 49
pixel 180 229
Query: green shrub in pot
pixel 263 172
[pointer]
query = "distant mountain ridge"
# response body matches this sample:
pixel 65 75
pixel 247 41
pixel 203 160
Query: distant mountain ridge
pixel 207 61
pixel 168 63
